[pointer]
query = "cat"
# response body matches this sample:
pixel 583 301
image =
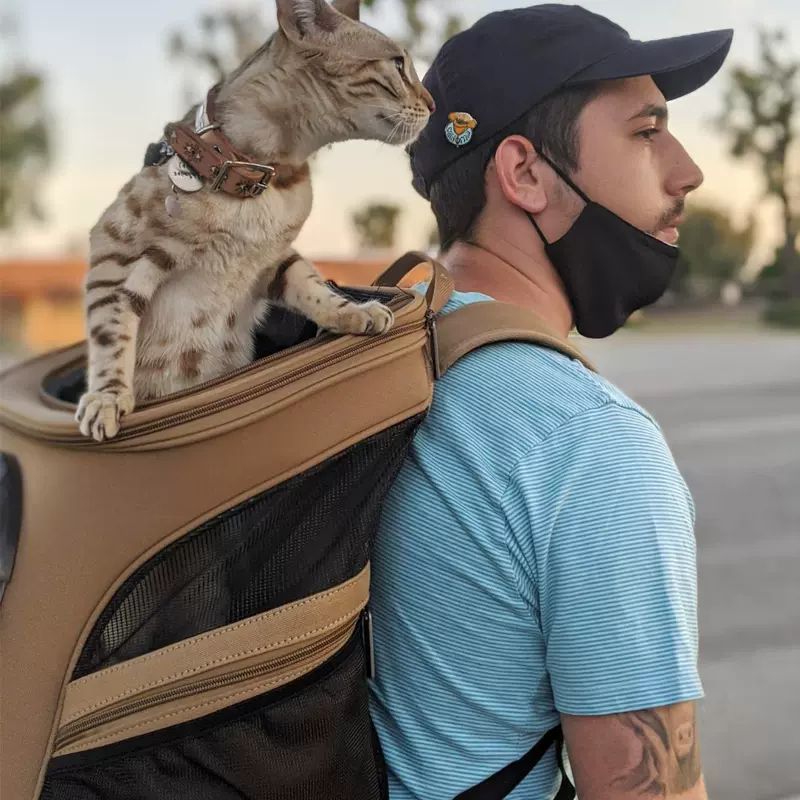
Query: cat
pixel 179 279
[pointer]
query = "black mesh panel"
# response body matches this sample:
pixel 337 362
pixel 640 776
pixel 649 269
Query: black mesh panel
pixel 311 740
pixel 302 537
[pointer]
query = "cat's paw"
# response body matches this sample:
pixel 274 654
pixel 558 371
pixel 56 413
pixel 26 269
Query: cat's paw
pixel 99 413
pixel 366 318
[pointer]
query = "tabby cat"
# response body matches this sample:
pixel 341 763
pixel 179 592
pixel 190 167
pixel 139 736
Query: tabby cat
pixel 179 279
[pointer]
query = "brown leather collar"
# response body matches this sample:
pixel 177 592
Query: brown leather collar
pixel 212 156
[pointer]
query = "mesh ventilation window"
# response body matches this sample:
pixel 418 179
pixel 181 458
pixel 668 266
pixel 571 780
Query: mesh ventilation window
pixel 311 740
pixel 302 537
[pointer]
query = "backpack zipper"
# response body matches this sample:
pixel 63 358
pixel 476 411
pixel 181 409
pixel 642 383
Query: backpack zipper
pixel 250 394
pixel 73 731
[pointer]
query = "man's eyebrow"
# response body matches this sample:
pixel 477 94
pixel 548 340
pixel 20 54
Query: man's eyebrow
pixel 651 110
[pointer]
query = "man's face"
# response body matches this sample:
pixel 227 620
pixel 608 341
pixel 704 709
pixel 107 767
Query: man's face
pixel 630 162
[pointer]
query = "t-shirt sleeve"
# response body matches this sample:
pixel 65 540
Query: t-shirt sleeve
pixel 601 536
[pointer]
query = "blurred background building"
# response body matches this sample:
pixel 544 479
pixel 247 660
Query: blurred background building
pixel 85 87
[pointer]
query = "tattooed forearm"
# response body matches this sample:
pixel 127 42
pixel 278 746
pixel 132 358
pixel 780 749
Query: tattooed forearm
pixel 668 761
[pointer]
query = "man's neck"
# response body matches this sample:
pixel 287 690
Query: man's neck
pixel 509 275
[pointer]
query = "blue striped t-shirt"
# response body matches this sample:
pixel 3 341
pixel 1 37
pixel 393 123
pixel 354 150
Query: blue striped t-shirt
pixel 536 555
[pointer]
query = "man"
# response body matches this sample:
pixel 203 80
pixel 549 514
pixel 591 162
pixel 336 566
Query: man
pixel 536 559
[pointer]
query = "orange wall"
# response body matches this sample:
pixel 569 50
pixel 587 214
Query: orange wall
pixel 44 307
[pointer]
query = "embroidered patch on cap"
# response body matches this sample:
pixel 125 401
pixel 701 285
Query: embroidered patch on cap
pixel 459 129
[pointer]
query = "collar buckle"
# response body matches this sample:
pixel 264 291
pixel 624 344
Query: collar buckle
pixel 246 189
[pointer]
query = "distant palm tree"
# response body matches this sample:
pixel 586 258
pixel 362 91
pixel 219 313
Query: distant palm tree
pixel 25 148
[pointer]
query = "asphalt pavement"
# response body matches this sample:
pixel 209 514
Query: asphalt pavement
pixel 729 405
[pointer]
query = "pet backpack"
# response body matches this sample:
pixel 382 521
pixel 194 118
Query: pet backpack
pixel 184 609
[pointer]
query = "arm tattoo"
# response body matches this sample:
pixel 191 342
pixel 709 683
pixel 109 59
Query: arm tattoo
pixel 669 762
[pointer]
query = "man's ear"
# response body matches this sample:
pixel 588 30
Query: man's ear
pixel 350 8
pixel 308 22
pixel 519 174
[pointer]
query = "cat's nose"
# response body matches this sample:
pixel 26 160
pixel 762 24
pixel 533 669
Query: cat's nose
pixel 428 98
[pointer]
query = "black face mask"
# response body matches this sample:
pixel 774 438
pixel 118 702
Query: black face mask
pixel 609 268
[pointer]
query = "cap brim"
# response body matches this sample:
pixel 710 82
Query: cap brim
pixel 678 65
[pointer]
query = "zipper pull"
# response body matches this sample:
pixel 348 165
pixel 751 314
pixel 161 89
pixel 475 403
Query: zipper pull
pixel 433 336
pixel 369 644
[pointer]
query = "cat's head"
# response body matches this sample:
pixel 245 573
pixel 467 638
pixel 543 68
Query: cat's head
pixel 326 77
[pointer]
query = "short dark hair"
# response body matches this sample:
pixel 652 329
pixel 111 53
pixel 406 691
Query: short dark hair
pixel 458 195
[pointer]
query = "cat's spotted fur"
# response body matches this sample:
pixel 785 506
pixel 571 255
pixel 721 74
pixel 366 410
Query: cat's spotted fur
pixel 172 301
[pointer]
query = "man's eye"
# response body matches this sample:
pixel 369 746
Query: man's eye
pixel 648 134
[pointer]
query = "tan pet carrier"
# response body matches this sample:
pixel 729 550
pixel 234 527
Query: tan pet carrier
pixel 184 608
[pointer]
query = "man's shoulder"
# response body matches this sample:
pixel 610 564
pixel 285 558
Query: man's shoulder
pixel 513 384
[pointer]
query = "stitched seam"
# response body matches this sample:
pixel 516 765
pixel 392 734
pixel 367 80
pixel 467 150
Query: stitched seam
pixel 216 662
pixel 251 690
pixel 220 632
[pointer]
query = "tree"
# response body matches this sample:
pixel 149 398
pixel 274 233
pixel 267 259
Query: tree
pixel 713 251
pixel 759 116
pixel 376 225
pixel 223 40
pixel 427 25
pixel 25 149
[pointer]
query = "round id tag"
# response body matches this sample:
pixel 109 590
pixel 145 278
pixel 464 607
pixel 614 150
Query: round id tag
pixel 182 176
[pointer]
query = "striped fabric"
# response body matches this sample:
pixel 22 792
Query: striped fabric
pixel 536 556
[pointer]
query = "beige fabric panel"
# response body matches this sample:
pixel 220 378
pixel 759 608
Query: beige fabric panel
pixel 277 633
pixel 61 583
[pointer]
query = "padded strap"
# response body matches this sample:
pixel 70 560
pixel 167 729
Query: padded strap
pixel 503 782
pixel 440 287
pixel 474 325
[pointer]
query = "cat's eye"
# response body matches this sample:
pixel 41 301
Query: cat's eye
pixel 400 63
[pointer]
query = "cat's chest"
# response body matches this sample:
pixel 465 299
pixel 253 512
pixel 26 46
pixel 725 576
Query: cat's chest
pixel 214 312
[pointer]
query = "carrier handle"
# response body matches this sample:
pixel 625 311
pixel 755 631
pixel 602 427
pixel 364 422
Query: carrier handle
pixel 441 284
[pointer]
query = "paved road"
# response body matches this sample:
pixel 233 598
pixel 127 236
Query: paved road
pixel 730 408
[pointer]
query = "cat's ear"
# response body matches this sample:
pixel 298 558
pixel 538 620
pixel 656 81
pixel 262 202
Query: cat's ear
pixel 308 21
pixel 350 8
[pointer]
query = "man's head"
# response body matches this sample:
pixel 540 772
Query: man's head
pixel 564 83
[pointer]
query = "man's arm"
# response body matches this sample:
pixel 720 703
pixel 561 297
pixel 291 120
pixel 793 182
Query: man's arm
pixel 649 754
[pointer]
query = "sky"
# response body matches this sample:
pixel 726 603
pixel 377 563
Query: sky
pixel 111 89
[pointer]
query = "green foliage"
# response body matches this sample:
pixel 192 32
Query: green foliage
pixel 25 147
pixel 712 250
pixel 759 118
pixel 784 313
pixel 376 225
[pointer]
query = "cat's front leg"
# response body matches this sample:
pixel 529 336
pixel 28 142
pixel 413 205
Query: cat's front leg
pixel 297 285
pixel 114 308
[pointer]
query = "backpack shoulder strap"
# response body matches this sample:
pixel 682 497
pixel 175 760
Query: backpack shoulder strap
pixel 474 325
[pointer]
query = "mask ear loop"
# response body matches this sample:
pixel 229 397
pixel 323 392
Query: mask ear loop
pixel 564 177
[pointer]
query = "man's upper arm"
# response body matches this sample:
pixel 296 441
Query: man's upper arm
pixel 601 536
pixel 651 754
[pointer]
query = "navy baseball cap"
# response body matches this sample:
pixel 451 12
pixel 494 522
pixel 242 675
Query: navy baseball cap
pixel 487 77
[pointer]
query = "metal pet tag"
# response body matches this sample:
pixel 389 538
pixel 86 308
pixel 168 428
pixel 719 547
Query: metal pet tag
pixel 173 205
pixel 183 177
